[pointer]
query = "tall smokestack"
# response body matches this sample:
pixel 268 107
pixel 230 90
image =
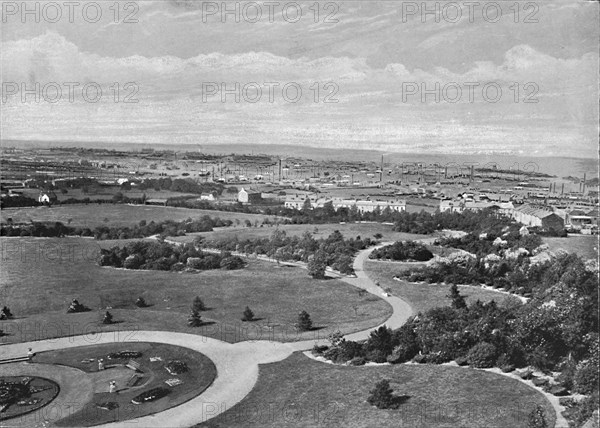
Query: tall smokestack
pixel 280 178
pixel 584 180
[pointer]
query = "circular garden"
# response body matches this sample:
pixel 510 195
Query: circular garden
pixel 20 395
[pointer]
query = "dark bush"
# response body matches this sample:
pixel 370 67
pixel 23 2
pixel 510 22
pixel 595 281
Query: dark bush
pixel 482 355
pixel 586 380
pixel 358 361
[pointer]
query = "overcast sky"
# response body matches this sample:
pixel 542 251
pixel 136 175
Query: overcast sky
pixel 373 58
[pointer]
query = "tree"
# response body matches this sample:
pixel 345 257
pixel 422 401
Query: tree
pixel 140 302
pixel 195 320
pixel 307 206
pixel 537 418
pixel 198 304
pixel 458 301
pixel 108 318
pixel 5 313
pixel 380 340
pixel 382 395
pixel 304 321
pixel 317 265
pixel 248 315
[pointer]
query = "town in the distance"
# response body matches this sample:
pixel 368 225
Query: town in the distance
pixel 262 183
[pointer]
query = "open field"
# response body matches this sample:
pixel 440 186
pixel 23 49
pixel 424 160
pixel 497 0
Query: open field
pixel 40 277
pixel 300 392
pixel 585 246
pixel 349 230
pixel 107 193
pixel 93 215
pixel 200 375
pixel 422 297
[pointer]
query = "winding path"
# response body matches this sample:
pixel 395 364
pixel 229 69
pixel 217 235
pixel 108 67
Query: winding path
pixel 237 364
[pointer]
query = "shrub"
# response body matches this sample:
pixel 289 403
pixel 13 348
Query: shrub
pixel 195 320
pixel 358 361
pixel 420 359
pixel 537 418
pixel 585 408
pixel 382 395
pixel 5 313
pixel 248 315
pixel 482 355
pixel 231 263
pixel 304 321
pixel 461 361
pixel 586 379
pixel 140 302
pixel 349 350
pixel 319 349
pixel 331 354
pixel 108 318
pixel 505 364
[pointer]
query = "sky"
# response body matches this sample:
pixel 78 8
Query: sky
pixel 494 77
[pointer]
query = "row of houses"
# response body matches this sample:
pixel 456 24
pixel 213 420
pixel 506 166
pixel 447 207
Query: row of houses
pixel 297 201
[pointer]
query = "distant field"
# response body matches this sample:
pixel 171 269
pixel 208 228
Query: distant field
pixel 93 215
pixel 107 193
pixel 585 245
pixel 422 297
pixel 300 392
pixel 349 230
pixel 39 278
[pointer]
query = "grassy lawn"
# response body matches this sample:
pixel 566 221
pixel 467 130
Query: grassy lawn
pixel 585 246
pixel 300 392
pixel 422 297
pixel 39 278
pixel 200 375
pixel 349 230
pixel 93 215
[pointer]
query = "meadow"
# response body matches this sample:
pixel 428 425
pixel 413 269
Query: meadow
pixel 40 277
pixel 93 215
pixel 301 392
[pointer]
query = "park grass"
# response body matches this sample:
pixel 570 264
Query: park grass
pixel 586 246
pixel 300 392
pixel 93 215
pixel 38 286
pixel 349 230
pixel 200 376
pixel 420 296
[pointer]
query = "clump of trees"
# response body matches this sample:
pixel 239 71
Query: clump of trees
pixel 402 251
pixel 334 251
pixel 163 228
pixel 165 256
pixel 141 230
pixel 555 331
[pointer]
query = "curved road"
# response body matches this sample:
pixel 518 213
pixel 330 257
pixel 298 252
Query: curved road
pixel 237 364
